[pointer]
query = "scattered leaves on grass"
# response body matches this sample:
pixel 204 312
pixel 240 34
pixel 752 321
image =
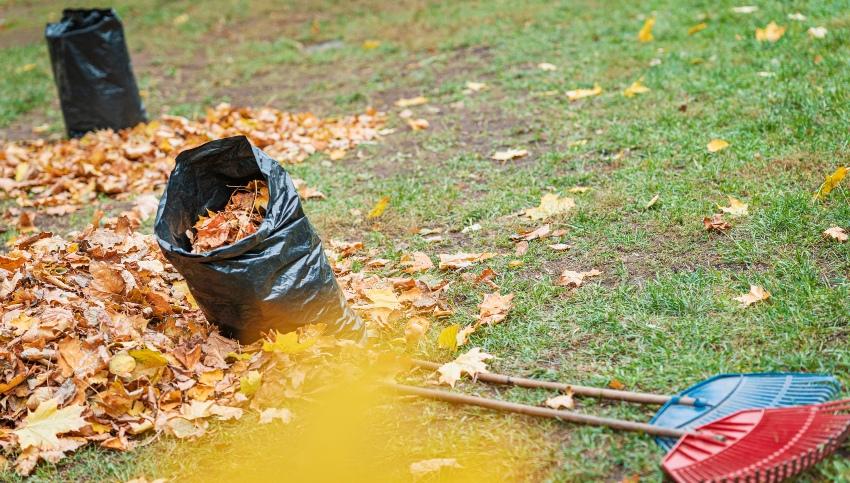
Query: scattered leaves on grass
pixel 756 294
pixel 645 33
pixel 716 223
pixel 636 88
pixel 831 182
pixel 697 28
pixel 569 278
pixel 240 218
pixel 462 260
pixel 425 467
pixel 716 145
pixel 550 205
pixel 836 233
pixel 563 401
pixel 577 94
pixel 770 33
pixel 379 208
pixel 509 154
pixel 735 209
pixel 471 363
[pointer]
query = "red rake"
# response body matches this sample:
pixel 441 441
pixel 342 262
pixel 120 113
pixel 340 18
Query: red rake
pixel 749 445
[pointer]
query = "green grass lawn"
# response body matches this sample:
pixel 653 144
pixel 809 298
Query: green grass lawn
pixel 662 315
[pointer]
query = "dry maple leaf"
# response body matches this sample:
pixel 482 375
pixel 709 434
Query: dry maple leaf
pixel 569 278
pixel 41 427
pixel 636 88
pixel 716 145
pixel 494 308
pixel 645 33
pixel 577 94
pixel 471 363
pixel 716 223
pixel 416 262
pixel 462 260
pixel 836 233
pixel 418 124
pixel 735 209
pixel 306 192
pixel 547 66
pixel 541 231
pixel 550 205
pixel 509 154
pixel 770 33
pixel 562 401
pixel 240 218
pixel 472 86
pixel 757 293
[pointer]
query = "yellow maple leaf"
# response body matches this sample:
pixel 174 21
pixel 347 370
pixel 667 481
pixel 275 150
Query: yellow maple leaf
pixel 770 33
pixel 697 28
pixel 287 343
pixel 471 362
pixel 21 171
pixel 371 44
pixel 577 94
pixel 250 383
pixel 645 34
pixel 148 357
pixel 636 88
pixel 736 208
pixel 716 145
pixel 379 208
pixel 382 298
pixel 550 205
pixel 448 337
pixel 831 182
pixel 41 427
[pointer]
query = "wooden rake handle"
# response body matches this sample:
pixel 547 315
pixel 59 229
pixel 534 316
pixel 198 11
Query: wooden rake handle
pixel 637 397
pixel 560 415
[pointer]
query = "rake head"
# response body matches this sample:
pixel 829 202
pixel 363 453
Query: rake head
pixel 727 393
pixel 760 444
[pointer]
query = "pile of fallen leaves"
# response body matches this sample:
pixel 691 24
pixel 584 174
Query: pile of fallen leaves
pixel 241 217
pixel 58 177
pixel 102 343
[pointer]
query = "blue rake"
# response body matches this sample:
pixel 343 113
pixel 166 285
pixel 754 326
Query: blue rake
pixel 725 394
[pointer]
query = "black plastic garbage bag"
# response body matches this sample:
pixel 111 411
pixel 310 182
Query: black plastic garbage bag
pixel 277 278
pixel 92 70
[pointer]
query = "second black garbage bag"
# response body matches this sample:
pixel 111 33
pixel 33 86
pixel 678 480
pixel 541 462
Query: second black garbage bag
pixel 276 278
pixel 92 70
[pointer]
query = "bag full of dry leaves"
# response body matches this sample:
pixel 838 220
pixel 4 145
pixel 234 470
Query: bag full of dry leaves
pixel 231 222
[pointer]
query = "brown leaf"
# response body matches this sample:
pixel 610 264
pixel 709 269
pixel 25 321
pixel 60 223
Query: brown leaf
pixel 106 278
pixel 573 279
pixel 716 223
pixel 756 294
pixel 494 308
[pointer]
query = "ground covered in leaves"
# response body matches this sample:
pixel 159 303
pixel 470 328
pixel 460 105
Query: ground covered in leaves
pixel 618 194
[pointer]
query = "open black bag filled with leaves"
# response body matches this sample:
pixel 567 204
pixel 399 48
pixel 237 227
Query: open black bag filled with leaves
pixel 278 276
pixel 92 70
